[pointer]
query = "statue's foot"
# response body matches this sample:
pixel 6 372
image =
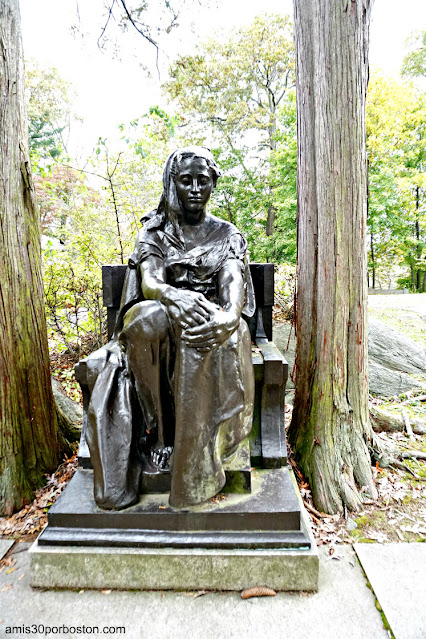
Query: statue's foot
pixel 160 457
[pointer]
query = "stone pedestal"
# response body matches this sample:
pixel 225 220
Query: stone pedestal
pixel 232 542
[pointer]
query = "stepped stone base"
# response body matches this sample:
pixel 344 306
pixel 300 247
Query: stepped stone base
pixel 246 540
pixel 172 568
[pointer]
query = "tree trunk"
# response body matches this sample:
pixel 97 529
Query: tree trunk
pixel 271 216
pixel 28 434
pixel 330 430
pixel 272 130
pixel 419 246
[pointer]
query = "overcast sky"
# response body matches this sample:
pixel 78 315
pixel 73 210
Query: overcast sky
pixel 111 91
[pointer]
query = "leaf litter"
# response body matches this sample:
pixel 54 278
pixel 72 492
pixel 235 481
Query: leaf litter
pixel 398 515
pixel 32 518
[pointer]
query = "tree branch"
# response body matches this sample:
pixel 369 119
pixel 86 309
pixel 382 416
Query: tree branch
pixel 144 35
pixel 106 24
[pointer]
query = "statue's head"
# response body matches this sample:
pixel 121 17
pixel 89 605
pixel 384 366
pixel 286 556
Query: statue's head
pixel 184 168
pixel 188 154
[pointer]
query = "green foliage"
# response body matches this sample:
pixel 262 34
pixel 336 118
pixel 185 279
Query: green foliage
pixel 396 149
pixel 240 198
pixel 284 173
pixel 91 218
pixel 236 83
pixel 72 286
pixel 229 93
pixel 285 277
pixel 285 288
pixel 414 64
pixel 57 188
pixel 74 240
pixel 49 107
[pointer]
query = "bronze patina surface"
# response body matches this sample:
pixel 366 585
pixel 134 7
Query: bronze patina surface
pixel 173 390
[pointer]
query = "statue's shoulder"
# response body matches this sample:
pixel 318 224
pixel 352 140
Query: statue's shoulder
pixel 148 239
pixel 219 225
pixel 151 221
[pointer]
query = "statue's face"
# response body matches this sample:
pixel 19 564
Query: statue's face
pixel 194 185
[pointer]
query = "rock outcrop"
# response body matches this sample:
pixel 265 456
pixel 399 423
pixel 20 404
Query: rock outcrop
pixel 391 356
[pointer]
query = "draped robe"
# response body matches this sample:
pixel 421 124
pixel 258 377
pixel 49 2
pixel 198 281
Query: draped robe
pixel 149 380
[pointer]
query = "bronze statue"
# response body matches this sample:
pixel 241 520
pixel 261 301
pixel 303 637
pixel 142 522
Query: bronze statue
pixel 175 390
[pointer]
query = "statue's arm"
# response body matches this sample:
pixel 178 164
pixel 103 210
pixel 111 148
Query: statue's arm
pixel 187 308
pixel 153 276
pixel 226 318
pixel 231 288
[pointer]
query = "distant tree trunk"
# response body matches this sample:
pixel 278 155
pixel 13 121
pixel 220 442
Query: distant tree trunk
pixel 28 433
pixel 272 130
pixel 373 264
pixel 330 431
pixel 419 246
pixel 413 278
pixel 271 216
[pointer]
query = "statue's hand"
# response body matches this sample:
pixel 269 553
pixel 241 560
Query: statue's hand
pixel 213 333
pixel 187 308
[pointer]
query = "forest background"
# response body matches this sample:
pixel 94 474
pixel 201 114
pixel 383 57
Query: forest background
pixel 232 90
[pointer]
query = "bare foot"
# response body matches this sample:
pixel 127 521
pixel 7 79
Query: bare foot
pixel 160 457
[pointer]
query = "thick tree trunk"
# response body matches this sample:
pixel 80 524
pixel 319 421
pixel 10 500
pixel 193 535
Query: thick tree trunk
pixel 330 430
pixel 28 434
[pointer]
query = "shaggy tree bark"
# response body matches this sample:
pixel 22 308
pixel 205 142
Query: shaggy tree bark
pixel 28 433
pixel 330 429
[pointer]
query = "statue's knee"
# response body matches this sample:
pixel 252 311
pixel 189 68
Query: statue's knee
pixel 146 320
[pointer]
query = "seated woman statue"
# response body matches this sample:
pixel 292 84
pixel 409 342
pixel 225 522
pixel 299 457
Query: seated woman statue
pixel 176 386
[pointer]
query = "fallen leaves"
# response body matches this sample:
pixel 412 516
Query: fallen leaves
pixel 330 530
pixel 377 536
pixel 33 518
pixel 7 562
pixel 380 520
pixel 417 529
pixel 390 487
pixel 258 591
pixel 332 554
